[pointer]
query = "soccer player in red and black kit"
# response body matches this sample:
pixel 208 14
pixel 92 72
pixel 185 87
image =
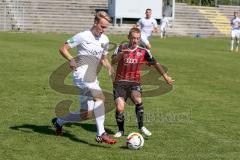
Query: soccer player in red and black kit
pixel 129 59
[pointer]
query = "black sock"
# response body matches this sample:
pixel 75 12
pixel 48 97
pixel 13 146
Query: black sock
pixel 120 120
pixel 139 114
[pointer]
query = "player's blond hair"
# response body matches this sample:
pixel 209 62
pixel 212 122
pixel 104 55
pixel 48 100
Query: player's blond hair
pixel 102 14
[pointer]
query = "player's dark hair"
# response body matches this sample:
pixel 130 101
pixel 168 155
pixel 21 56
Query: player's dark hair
pixel 148 9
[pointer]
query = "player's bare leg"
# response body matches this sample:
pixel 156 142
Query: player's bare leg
pixel 237 44
pixel 232 44
pixel 161 34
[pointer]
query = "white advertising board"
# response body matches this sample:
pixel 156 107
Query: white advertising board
pixel 134 8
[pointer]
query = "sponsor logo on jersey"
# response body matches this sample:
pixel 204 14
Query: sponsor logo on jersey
pixel 95 52
pixel 130 60
pixel 139 53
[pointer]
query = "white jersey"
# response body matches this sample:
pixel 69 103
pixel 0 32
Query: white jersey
pixel 235 23
pixel 147 26
pixel 164 22
pixel 90 51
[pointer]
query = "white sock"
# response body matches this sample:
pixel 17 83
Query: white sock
pixel 232 43
pixel 86 103
pixel 99 113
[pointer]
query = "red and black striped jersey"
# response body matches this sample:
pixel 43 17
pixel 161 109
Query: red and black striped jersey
pixel 129 66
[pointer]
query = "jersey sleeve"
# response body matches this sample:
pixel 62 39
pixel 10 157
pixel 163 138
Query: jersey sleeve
pixel 238 21
pixel 149 58
pixel 139 22
pixel 75 40
pixel 105 47
pixel 117 50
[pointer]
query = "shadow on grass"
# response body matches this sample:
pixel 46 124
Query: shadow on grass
pixel 48 130
pixel 88 127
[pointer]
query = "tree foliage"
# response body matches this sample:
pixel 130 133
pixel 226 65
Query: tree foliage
pixel 210 2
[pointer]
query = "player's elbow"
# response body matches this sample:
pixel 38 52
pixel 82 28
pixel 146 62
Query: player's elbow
pixel 61 50
pixel 148 46
pixel 113 61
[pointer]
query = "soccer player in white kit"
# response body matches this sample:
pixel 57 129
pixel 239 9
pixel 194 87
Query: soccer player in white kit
pixel 92 46
pixel 163 26
pixel 148 25
pixel 235 32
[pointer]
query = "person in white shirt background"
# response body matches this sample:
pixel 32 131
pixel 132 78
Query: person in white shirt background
pixel 235 32
pixel 164 24
pixel 147 25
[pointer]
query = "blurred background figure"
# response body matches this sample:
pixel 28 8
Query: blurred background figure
pixel 163 26
pixel 147 25
pixel 235 33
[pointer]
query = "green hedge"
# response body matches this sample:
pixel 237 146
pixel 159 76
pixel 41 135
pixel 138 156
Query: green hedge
pixel 210 2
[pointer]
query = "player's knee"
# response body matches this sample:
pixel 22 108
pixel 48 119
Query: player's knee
pixel 137 100
pixel 119 116
pixel 120 109
pixel 119 105
pixel 84 115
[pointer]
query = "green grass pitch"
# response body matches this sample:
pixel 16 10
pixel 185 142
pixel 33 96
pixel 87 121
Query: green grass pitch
pixel 197 120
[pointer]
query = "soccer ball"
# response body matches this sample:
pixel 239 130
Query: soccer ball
pixel 135 140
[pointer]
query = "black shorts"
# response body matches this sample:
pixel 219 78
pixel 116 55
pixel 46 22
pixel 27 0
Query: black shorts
pixel 124 89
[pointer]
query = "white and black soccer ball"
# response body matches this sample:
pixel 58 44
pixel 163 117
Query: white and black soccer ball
pixel 135 140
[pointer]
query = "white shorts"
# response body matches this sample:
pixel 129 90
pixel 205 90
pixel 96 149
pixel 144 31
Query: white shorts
pixel 144 40
pixel 87 90
pixel 235 33
pixel 163 28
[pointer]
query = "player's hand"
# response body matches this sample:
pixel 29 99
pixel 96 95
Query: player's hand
pixel 117 57
pixel 124 51
pixel 120 54
pixel 112 76
pixel 73 64
pixel 155 30
pixel 169 79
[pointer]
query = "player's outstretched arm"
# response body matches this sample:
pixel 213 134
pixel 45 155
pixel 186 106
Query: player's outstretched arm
pixel 160 69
